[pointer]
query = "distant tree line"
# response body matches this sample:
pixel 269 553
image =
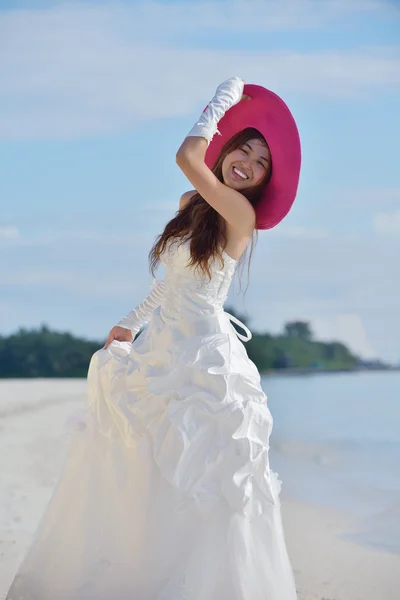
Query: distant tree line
pixel 296 349
pixel 45 353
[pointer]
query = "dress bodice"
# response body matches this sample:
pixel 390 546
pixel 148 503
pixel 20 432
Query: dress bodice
pixel 187 291
pixel 189 294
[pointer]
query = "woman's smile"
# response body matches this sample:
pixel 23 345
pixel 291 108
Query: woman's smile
pixel 239 174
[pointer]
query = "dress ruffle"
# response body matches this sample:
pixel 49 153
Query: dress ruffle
pixel 194 404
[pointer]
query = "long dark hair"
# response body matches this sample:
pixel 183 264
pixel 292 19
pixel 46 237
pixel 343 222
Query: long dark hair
pixel 201 223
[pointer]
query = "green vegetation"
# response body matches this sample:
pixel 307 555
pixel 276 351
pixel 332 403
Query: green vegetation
pixel 295 349
pixel 46 353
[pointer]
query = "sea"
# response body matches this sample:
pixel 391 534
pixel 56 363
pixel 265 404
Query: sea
pixel 336 443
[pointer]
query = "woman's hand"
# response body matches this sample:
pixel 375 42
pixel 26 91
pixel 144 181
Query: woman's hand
pixel 227 94
pixel 120 334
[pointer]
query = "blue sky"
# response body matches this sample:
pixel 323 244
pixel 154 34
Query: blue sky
pixel 95 98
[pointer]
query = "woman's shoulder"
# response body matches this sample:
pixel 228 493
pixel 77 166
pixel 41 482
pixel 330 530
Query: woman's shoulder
pixel 184 199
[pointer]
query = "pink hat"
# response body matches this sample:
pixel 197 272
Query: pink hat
pixel 267 113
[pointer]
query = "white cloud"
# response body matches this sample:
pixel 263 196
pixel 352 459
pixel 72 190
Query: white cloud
pixel 80 69
pixel 56 238
pixel 300 232
pixel 256 15
pixel 87 267
pixel 149 18
pixel 387 223
pixel 348 328
pixel 139 226
pixel 84 286
pixel 370 197
pixel 9 233
pixel 324 279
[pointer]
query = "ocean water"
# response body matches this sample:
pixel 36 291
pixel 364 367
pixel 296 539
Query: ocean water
pixel 336 442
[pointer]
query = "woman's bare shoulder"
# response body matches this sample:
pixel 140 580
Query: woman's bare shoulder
pixel 184 199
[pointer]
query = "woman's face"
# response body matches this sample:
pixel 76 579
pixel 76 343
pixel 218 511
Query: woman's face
pixel 247 166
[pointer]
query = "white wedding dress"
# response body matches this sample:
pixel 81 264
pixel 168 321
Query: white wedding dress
pixel 166 492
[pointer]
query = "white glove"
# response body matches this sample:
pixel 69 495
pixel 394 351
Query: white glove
pixel 227 95
pixel 141 314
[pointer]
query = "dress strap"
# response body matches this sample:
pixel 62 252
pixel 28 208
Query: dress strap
pixel 248 335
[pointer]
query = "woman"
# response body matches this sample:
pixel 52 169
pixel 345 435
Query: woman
pixel 167 493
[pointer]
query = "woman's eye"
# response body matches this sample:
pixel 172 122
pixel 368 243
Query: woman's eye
pixel 262 164
pixel 243 150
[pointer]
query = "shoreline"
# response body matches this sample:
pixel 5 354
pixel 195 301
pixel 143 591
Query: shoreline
pixel 269 372
pixel 328 371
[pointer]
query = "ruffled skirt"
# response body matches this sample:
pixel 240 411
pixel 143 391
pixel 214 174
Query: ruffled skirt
pixel 166 492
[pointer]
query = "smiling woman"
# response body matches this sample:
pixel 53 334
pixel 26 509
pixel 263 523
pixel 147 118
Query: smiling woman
pixel 253 169
pixel 167 491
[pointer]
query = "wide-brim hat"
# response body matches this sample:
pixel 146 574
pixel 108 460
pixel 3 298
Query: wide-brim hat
pixel 269 114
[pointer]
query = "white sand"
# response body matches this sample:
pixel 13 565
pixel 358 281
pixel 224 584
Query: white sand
pixel 328 567
pixel 32 417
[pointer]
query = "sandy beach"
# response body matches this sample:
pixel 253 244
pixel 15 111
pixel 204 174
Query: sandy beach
pixel 32 417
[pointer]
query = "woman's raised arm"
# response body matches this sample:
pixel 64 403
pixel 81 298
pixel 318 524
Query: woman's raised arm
pixel 230 204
